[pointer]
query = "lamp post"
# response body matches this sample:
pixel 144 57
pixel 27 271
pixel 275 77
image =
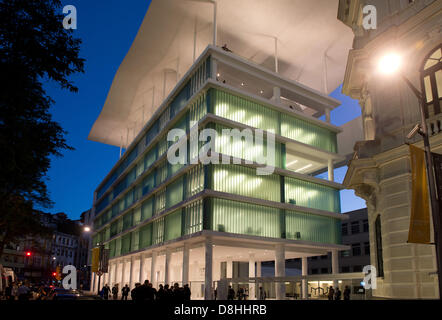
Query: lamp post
pixel 88 229
pixel 390 64
pixel 100 265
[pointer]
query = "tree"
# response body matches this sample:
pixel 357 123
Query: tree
pixel 34 47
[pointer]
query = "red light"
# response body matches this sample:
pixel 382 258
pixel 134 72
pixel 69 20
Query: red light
pixel 28 253
pixel 54 273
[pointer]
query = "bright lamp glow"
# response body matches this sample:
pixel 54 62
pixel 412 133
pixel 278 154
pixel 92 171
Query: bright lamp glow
pixel 390 63
pixel 87 229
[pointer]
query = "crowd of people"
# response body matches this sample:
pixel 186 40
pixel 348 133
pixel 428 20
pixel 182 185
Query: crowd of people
pixel 337 294
pixel 146 292
pixel 24 291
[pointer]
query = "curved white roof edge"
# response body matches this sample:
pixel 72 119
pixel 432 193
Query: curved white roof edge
pixel 312 50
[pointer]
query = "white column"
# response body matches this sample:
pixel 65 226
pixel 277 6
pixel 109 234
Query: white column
pixel 123 273
pixel 276 94
pixel 109 278
pixel 331 175
pixel 185 274
pixel 208 257
pixel 141 275
pixel 152 269
pixel 167 267
pixel 304 285
pixel 114 274
pixel 229 267
pixel 131 278
pixel 252 286
pixel 258 274
pixel 94 280
pixel 106 277
pixel 335 266
pixel 327 115
pixel 280 271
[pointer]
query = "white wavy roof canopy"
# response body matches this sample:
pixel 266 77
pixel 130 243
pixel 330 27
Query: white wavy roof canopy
pixel 306 30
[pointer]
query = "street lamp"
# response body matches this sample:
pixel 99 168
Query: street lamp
pixel 391 64
pixel 87 229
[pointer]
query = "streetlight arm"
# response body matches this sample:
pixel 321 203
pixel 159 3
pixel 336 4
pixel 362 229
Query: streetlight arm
pixel 412 87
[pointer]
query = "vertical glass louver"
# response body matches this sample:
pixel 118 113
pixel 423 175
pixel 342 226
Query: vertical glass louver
pixel 160 201
pixel 244 218
pixel 172 226
pixel 245 111
pixel 193 217
pixel 309 227
pixel 305 132
pixel 147 208
pixel 241 148
pixel 135 240
pixel 256 115
pixel 195 180
pixel 158 231
pixel 244 181
pixel 311 195
pixel 174 193
pixel 146 236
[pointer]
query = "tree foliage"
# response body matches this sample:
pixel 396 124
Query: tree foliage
pixel 34 48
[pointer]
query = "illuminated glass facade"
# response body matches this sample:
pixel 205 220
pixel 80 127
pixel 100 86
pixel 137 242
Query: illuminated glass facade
pixel 147 201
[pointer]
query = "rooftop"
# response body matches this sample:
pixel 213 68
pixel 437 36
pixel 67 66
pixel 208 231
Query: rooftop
pixel 310 43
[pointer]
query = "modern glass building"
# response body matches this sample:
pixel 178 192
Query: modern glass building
pixel 196 222
pixel 156 217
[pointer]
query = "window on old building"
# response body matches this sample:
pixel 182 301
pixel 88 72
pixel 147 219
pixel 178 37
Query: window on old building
pixel 345 269
pixel 367 248
pixel 355 227
pixel 379 254
pixel 356 249
pixel 365 225
pixel 431 82
pixel 357 269
pixel 344 228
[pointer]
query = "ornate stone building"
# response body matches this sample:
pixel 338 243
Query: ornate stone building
pixel 380 170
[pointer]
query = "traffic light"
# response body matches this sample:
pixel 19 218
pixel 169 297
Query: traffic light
pixel 28 253
pixel 54 274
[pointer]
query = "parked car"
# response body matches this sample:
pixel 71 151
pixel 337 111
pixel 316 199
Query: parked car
pixel 64 294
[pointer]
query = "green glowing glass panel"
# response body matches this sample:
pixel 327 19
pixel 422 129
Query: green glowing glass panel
pixel 193 217
pixel 244 181
pixel 312 195
pixel 172 226
pixel 243 218
pixel 145 236
pixel 309 227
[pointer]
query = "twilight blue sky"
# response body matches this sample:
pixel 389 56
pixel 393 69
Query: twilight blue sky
pixel 107 29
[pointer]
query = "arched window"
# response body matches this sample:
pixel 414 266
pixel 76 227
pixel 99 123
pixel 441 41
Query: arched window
pixel 379 254
pixel 431 77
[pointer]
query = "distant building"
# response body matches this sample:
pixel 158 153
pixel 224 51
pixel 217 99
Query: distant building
pixel 354 234
pixel 66 244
